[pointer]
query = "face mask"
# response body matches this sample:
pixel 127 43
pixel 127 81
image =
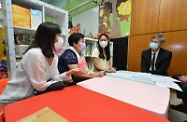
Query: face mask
pixel 153 45
pixel 83 46
pixel 61 40
pixel 58 45
pixel 103 44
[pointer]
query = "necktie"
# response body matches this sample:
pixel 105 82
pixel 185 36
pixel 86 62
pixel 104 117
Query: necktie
pixel 152 62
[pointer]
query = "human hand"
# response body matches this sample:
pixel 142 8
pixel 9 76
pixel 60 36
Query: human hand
pixel 113 70
pixel 183 78
pixel 77 71
pixel 99 74
pixel 74 71
pixel 102 73
pixel 68 81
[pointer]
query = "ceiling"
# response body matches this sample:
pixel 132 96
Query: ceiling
pixel 47 1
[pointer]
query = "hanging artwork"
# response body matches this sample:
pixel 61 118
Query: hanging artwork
pixel 114 17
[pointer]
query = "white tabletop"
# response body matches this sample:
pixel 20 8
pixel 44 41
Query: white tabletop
pixel 146 96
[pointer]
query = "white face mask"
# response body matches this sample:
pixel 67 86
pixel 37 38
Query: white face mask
pixel 61 40
pixel 58 45
pixel 103 44
pixel 153 45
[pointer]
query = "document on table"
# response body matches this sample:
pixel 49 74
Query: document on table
pixel 166 81
pixel 142 78
pixel 163 78
pixel 44 115
pixel 163 81
pixel 169 84
pixel 121 74
pixel 134 76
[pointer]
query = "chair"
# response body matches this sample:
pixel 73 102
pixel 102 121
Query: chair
pixel 3 75
pixel 3 84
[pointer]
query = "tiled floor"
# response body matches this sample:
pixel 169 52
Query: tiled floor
pixel 175 116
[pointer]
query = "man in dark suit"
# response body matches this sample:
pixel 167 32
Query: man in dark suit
pixel 156 60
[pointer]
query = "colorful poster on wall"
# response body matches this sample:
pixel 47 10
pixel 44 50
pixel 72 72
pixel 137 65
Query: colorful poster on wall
pixel 114 17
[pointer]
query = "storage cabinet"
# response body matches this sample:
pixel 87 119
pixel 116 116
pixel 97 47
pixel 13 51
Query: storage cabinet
pixel 145 14
pixel 58 16
pixel 177 43
pixel 152 16
pixel 136 45
pixel 172 15
pixel 91 44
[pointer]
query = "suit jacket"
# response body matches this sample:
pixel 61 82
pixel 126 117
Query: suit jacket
pixel 162 62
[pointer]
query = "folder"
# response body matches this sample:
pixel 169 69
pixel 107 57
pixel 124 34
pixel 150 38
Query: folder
pixel 44 115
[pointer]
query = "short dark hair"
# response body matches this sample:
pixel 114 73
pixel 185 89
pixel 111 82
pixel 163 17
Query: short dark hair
pixel 107 48
pixel 70 25
pixel 45 37
pixel 74 38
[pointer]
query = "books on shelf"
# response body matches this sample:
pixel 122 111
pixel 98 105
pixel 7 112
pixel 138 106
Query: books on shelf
pixel 88 50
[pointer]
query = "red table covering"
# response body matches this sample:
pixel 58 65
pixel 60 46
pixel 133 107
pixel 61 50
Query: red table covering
pixel 78 104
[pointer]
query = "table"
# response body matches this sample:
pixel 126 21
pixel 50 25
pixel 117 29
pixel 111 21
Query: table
pixel 146 96
pixel 78 104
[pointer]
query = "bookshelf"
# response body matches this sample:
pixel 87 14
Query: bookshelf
pixel 58 16
pixel 91 44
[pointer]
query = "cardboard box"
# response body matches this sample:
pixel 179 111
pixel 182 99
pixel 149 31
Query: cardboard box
pixel 21 16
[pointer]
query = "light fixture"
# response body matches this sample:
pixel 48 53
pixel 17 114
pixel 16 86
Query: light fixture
pixel 0 5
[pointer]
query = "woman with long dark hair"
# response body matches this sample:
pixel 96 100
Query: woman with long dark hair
pixel 37 72
pixel 101 55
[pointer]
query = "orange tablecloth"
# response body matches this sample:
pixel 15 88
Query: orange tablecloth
pixel 78 104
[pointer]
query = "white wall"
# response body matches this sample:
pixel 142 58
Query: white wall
pixel 1 18
pixel 89 21
pixel 1 15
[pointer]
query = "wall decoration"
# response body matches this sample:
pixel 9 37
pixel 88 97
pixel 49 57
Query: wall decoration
pixel 114 17
pixel 104 13
pixel 75 29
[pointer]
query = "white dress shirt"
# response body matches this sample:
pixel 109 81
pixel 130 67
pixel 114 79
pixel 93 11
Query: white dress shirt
pixel 156 55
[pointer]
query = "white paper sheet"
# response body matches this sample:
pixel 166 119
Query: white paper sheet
pixel 169 84
pixel 158 80
pixel 163 78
